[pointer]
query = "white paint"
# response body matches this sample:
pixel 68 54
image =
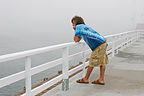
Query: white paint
pixel 65 65
pixel 28 76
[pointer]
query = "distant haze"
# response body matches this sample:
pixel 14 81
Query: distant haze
pixel 28 24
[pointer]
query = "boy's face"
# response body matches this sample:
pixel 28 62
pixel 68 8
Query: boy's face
pixel 74 24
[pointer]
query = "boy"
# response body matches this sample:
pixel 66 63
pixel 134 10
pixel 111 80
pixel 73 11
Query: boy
pixel 98 45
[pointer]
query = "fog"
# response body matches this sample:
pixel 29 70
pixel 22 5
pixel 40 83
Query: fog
pixel 28 24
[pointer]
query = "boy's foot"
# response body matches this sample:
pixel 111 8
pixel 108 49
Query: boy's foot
pixel 98 82
pixel 82 81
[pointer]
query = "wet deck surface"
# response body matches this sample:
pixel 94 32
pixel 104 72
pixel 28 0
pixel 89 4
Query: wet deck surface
pixel 124 76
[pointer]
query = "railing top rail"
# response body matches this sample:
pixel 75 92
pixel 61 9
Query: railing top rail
pixel 118 34
pixel 140 30
pixel 18 55
pixel 22 54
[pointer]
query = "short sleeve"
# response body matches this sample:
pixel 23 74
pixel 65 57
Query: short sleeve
pixel 77 31
pixel 78 35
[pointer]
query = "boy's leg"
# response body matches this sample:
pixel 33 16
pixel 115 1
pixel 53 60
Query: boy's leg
pixel 102 71
pixel 101 79
pixel 85 79
pixel 89 70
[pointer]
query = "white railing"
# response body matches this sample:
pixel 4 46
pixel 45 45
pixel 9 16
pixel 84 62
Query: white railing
pixel 141 33
pixel 115 42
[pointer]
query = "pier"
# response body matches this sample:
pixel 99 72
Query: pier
pixel 124 73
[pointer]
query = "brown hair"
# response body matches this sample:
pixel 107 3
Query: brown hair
pixel 78 19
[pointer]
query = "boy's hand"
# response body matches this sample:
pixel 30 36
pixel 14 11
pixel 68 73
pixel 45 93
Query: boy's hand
pixel 77 39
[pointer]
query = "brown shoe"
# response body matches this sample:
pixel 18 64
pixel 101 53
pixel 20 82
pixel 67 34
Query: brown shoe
pixel 98 82
pixel 81 81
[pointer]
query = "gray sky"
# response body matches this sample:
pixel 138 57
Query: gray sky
pixel 46 22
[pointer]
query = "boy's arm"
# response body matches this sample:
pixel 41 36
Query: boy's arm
pixel 77 39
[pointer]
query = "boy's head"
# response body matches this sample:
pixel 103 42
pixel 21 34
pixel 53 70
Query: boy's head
pixel 77 20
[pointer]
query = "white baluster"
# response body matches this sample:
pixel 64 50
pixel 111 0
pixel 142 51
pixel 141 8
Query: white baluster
pixel 28 75
pixel 65 68
pixel 83 60
pixel 113 48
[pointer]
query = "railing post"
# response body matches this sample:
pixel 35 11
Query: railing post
pixel 28 75
pixel 137 35
pixel 83 61
pixel 65 68
pixel 113 48
pixel 130 38
pixel 116 45
pixel 140 34
pixel 133 37
pixel 127 40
